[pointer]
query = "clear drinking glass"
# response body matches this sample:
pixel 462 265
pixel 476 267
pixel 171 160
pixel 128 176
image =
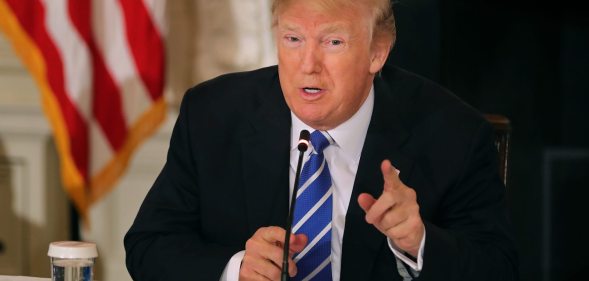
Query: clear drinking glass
pixel 72 260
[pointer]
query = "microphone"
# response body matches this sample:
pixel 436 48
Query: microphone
pixel 303 145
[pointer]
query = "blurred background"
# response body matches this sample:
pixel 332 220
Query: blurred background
pixel 529 61
pixel 525 60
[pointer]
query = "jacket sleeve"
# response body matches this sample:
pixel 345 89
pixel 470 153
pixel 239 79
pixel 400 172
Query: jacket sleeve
pixel 470 237
pixel 165 241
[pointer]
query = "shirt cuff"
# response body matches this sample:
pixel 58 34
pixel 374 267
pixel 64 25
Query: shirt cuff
pixel 231 271
pixel 409 261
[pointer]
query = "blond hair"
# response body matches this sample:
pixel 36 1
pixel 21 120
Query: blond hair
pixel 383 24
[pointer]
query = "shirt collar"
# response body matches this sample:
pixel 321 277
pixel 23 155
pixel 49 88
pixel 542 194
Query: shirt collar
pixel 349 136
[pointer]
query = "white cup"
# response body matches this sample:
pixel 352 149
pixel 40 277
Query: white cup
pixel 72 260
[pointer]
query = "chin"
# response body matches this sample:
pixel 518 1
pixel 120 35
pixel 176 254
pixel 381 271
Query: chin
pixel 318 124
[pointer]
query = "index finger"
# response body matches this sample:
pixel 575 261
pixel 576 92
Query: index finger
pixel 390 175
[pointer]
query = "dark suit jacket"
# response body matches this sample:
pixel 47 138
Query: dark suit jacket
pixel 227 175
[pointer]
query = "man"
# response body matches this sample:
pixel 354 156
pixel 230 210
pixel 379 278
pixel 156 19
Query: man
pixel 414 190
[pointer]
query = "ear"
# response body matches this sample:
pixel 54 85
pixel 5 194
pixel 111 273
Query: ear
pixel 381 46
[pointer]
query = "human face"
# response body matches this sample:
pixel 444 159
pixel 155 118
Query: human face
pixel 326 61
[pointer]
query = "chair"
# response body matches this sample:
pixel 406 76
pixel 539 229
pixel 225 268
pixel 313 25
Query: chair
pixel 502 127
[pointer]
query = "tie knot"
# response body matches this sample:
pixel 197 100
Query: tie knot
pixel 319 141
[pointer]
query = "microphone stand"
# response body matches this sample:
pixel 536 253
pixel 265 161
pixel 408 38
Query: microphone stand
pixel 303 145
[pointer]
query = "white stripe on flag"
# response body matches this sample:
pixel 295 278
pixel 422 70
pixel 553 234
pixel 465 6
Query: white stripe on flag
pixel 157 11
pixel 100 151
pixel 109 33
pixel 74 55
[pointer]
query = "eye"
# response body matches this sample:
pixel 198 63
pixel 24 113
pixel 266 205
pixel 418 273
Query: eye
pixel 292 39
pixel 336 42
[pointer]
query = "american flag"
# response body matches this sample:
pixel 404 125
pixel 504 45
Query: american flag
pixel 99 66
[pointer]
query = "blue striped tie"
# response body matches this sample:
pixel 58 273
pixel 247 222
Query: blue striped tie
pixel 312 214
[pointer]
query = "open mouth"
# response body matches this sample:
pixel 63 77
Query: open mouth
pixel 310 90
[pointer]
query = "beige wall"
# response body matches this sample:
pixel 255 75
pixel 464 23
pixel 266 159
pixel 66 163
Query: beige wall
pixel 16 86
pixel 208 38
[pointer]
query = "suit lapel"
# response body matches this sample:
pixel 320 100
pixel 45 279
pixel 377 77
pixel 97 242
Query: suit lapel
pixel 385 137
pixel 265 152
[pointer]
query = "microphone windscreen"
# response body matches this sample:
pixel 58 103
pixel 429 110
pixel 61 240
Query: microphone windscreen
pixel 304 138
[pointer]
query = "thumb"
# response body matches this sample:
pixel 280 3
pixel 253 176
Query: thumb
pixel 298 242
pixel 366 201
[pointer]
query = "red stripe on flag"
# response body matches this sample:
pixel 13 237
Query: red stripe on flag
pixel 146 45
pixel 31 15
pixel 106 104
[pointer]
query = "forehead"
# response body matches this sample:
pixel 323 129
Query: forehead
pixel 310 15
pixel 324 6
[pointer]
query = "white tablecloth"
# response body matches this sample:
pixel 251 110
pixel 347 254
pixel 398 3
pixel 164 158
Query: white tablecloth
pixel 22 278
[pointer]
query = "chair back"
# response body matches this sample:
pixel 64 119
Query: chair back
pixel 502 127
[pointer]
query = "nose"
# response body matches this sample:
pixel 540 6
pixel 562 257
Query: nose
pixel 311 59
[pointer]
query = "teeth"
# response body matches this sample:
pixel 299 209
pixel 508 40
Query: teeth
pixel 312 90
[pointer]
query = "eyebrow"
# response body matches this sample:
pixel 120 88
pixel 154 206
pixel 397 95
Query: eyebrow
pixel 289 27
pixel 327 28
pixel 333 27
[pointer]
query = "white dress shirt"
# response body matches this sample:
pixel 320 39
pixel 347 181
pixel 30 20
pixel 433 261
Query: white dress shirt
pixel 342 158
